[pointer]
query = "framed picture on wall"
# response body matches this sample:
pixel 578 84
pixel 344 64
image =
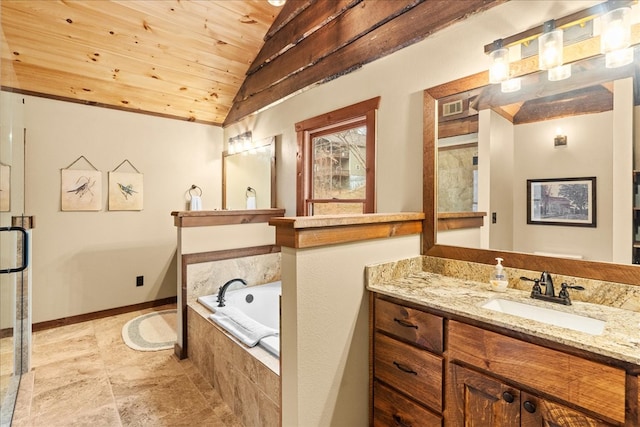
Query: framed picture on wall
pixel 562 201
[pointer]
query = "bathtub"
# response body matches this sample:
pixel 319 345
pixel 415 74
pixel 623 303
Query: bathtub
pixel 261 303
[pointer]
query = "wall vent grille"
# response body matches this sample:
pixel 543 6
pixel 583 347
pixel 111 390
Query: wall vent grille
pixel 451 108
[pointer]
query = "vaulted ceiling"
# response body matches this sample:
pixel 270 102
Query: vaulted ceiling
pixel 210 61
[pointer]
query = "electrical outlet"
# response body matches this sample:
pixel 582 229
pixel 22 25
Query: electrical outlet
pixel 139 280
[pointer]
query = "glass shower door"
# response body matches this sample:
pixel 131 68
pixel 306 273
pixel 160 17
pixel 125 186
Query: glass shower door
pixel 14 251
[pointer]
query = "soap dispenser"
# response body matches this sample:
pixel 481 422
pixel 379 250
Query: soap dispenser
pixel 499 280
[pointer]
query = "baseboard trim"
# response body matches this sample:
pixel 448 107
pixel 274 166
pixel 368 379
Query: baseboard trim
pixel 40 326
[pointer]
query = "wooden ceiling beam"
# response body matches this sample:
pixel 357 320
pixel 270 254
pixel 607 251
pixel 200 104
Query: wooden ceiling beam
pixel 305 22
pixel 406 29
pixel 351 25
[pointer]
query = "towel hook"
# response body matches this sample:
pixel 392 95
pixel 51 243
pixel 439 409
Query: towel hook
pixel 195 187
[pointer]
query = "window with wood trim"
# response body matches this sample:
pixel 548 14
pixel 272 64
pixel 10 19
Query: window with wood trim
pixel 336 161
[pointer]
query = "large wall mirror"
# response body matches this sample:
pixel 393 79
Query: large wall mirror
pixel 490 145
pixel 250 173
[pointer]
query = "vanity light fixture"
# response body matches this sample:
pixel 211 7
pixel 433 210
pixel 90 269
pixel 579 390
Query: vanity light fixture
pixel 550 46
pixel 615 37
pixel 499 70
pixel 240 143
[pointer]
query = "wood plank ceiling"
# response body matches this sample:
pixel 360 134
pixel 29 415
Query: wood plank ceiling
pixel 210 61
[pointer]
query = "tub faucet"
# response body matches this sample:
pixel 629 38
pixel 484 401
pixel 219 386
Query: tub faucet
pixel 223 290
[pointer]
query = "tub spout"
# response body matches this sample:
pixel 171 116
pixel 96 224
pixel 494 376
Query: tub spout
pixel 223 290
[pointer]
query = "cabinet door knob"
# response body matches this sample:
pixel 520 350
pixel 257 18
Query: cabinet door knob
pixel 530 407
pixel 508 397
pixel 405 323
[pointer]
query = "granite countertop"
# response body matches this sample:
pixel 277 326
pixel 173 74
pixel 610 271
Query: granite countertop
pixel 619 340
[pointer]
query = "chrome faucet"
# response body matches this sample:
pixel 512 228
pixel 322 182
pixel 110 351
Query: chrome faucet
pixel 223 290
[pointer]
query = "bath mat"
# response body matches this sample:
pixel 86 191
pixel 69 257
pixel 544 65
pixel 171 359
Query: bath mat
pixel 151 332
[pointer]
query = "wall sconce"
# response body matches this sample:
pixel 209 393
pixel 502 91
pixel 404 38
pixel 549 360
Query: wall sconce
pixel 615 37
pixel 559 140
pixel 499 70
pixel 550 46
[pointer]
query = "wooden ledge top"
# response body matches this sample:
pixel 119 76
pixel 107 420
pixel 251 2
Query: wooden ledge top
pixel 223 217
pixel 458 220
pixel 448 215
pixel 322 230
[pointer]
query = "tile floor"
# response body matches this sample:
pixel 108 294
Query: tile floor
pixel 84 375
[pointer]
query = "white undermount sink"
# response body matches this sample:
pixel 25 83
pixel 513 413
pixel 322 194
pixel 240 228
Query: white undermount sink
pixel 550 316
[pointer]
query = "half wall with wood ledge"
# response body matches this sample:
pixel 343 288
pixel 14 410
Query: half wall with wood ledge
pixel 325 310
pixel 211 236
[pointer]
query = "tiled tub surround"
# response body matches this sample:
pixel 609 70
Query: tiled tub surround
pixel 205 278
pixel 460 288
pixel 247 378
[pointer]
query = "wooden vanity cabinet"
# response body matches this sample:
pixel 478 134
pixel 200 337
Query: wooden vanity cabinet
pixel 407 366
pixel 491 379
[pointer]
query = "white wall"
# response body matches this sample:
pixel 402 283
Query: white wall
pixel 88 261
pixel 589 137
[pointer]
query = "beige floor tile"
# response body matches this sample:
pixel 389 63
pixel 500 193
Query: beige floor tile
pixel 84 375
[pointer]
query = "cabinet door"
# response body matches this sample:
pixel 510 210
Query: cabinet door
pixel 538 412
pixel 475 399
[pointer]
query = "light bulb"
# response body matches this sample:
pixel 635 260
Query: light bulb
pixel 616 30
pixel 550 50
pixel 499 70
pixel 276 3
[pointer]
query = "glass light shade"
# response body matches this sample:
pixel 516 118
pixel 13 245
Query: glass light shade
pixel 511 85
pixel 231 147
pixel 550 50
pixel 499 70
pixel 276 3
pixel 559 73
pixel 615 30
pixel 618 58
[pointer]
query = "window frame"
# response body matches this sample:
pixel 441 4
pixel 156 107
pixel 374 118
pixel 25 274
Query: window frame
pixel 362 113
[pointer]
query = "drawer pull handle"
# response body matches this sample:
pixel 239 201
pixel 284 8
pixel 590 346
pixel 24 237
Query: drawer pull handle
pixel 404 368
pixel 508 397
pixel 399 421
pixel 404 323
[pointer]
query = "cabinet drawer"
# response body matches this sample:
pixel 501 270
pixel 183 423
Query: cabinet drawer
pixel 392 409
pixel 588 384
pixel 414 372
pixel 423 329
